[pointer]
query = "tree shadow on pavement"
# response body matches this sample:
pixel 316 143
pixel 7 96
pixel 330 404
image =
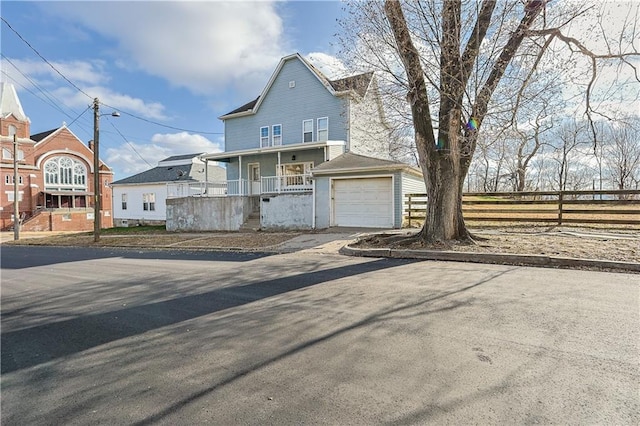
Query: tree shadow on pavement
pixel 24 348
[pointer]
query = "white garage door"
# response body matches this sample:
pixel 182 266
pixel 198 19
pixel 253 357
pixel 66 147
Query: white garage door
pixel 366 202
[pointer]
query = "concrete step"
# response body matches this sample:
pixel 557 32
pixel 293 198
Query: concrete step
pixel 252 223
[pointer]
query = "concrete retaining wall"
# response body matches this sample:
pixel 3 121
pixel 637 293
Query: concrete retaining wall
pixel 286 211
pixel 208 213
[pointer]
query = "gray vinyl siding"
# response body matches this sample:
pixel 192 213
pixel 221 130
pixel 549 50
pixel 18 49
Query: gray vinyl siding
pixel 309 99
pixel 323 202
pixel 411 185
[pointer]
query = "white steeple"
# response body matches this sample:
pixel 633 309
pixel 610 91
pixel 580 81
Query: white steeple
pixel 9 102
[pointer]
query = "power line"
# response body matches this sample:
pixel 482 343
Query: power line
pixel 81 114
pixel 50 99
pixel 160 124
pixel 129 143
pixel 45 60
pixel 91 97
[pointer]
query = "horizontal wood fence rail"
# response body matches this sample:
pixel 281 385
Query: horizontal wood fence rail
pixel 615 207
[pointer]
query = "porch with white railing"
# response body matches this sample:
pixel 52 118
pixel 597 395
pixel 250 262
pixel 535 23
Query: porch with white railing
pixel 268 185
pixel 288 184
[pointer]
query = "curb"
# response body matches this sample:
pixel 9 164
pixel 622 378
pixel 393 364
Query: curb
pixel 492 258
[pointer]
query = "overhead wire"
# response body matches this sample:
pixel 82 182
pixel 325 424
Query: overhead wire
pixel 45 59
pixel 129 143
pixel 50 99
pixel 90 97
pixel 160 124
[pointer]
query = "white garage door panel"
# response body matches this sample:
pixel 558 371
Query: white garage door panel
pixel 363 202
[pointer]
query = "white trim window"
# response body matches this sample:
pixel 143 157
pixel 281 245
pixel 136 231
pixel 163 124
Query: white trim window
pixel 307 131
pixel 65 172
pixel 124 201
pixel 6 154
pixel 276 129
pixel 10 195
pixel 264 136
pixel 323 129
pixel 149 201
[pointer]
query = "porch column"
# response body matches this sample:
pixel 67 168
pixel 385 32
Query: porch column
pixel 206 177
pixel 240 175
pixel 278 177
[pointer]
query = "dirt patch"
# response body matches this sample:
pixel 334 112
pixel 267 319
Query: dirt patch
pixel 246 241
pixel 579 243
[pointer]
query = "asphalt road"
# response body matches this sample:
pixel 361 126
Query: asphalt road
pixel 103 336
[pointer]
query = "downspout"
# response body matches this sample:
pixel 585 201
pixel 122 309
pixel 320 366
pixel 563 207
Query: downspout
pixel 348 147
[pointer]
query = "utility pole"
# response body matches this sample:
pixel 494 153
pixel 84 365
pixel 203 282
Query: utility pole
pixel 16 192
pixel 96 171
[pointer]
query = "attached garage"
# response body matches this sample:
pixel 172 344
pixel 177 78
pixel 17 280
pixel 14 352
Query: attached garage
pixel 364 202
pixel 365 192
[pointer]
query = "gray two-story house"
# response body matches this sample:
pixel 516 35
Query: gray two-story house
pixel 274 143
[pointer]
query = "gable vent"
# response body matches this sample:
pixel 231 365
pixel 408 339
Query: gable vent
pixel 292 84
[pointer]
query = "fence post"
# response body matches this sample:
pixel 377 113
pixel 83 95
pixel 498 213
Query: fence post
pixel 409 211
pixel 560 196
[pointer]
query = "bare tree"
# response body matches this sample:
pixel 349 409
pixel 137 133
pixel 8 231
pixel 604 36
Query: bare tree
pixel 449 57
pixel 622 153
pixel 570 156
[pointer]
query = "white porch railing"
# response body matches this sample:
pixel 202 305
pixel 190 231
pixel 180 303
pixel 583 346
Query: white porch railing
pixel 291 183
pixel 268 185
pixel 204 189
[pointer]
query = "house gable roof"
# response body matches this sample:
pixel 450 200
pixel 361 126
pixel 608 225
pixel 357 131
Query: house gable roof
pixel 160 174
pixel 357 84
pixel 350 162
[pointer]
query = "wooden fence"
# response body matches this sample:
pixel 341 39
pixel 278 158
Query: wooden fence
pixel 615 207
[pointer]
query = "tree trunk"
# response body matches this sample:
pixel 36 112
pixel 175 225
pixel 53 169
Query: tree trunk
pixel 446 163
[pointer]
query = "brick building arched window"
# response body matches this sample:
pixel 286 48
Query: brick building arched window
pixel 65 173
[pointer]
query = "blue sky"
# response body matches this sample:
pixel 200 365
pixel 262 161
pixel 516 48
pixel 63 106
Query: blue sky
pixel 176 64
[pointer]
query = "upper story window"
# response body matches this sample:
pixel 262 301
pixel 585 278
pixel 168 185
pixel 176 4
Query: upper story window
pixel 65 172
pixel 323 129
pixel 277 134
pixel 307 131
pixel 7 154
pixel 124 201
pixel 8 179
pixel 264 136
pixel 12 130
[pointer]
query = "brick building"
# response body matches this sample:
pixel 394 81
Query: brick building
pixel 55 174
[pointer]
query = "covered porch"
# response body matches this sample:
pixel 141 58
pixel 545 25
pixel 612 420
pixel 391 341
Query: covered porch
pixel 270 170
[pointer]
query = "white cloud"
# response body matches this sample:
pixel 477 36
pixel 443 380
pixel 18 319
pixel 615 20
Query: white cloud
pixel 203 46
pixel 80 72
pixel 126 159
pixel 86 75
